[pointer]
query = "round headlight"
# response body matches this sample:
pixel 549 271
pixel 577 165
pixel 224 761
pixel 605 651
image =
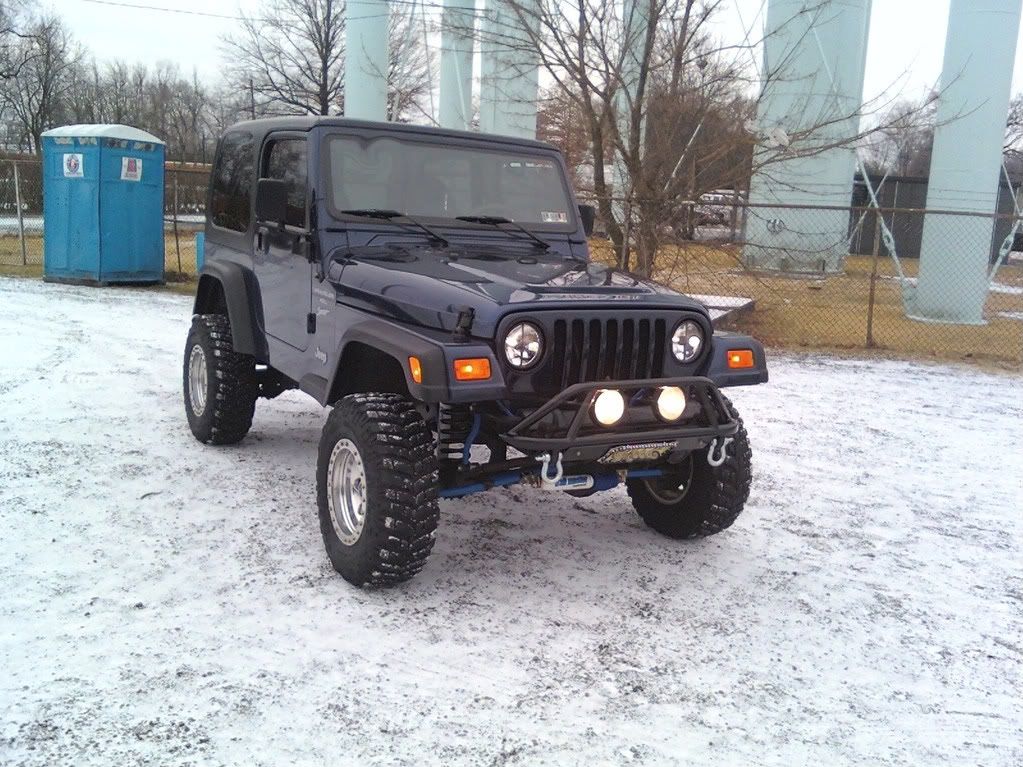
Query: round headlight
pixel 687 341
pixel 523 345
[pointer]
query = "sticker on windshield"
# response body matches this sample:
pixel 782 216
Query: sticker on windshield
pixel 553 216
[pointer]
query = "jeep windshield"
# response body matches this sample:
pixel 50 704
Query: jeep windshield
pixel 443 182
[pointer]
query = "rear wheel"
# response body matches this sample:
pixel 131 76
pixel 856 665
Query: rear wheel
pixel 377 489
pixel 220 386
pixel 696 499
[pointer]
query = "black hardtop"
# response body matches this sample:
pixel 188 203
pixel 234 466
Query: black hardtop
pixel 266 125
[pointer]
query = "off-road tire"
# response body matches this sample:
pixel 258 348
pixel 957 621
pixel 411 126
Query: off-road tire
pixel 714 500
pixel 401 482
pixel 231 384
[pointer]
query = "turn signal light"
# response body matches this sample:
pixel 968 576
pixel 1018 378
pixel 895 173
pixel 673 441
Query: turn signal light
pixel 415 367
pixel 740 358
pixel 474 369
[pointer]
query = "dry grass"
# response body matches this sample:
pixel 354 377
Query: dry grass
pixel 790 312
pixel 10 252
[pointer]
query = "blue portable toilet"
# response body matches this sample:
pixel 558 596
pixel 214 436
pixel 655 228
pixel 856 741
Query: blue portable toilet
pixel 102 205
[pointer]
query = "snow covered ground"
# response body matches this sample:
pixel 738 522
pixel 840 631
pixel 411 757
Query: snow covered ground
pixel 162 602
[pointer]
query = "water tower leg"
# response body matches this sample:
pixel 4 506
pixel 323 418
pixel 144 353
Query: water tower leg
pixel 455 108
pixel 510 70
pixel 366 59
pixel 976 81
pixel 634 27
pixel 807 116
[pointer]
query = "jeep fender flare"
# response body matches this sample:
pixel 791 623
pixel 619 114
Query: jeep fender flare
pixel 241 299
pixel 435 356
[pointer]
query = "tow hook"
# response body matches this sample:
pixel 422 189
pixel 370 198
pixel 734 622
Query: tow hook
pixel 548 481
pixel 722 455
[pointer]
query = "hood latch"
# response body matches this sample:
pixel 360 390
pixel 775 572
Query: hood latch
pixel 463 324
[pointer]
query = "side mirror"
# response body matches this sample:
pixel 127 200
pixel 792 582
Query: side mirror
pixel 588 214
pixel 271 201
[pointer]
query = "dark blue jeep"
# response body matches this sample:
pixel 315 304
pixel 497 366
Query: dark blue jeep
pixel 435 289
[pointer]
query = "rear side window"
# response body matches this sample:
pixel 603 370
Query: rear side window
pixel 232 180
pixel 285 160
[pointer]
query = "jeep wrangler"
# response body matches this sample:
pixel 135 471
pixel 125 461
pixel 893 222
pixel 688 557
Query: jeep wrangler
pixel 434 288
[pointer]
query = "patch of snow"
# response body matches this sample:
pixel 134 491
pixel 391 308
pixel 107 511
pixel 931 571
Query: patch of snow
pixel 165 602
pixel 1014 290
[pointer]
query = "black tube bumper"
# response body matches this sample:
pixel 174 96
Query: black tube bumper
pixel 638 433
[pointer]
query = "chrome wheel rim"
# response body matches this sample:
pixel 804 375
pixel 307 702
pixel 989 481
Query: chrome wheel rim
pixel 346 491
pixel 671 490
pixel 197 380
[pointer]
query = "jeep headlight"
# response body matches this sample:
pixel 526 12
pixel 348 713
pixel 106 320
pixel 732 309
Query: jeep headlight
pixel 687 341
pixel 523 345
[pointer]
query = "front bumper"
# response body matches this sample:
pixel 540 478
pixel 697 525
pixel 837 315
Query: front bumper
pixel 564 424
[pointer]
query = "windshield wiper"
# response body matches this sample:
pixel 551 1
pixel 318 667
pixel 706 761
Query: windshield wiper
pixel 496 221
pixel 387 215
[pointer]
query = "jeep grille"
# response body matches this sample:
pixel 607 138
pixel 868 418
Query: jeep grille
pixel 584 350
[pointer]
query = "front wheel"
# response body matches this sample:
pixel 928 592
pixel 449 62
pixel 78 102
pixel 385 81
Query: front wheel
pixel 220 385
pixel 696 499
pixel 376 482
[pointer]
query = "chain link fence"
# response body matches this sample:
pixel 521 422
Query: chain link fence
pixel 793 276
pixel 184 205
pixel 21 213
pixel 847 278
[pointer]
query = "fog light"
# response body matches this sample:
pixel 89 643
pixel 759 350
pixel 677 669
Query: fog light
pixel 671 403
pixel 608 407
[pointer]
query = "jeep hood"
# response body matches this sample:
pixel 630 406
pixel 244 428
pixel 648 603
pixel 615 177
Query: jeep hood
pixel 431 286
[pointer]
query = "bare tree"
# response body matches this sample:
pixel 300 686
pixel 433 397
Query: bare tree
pixel 902 143
pixel 289 59
pixel 14 32
pixel 560 121
pixel 409 65
pixel 116 102
pixel 35 98
pixel 665 103
pixel 1014 128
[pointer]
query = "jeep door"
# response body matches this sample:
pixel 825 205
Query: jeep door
pixel 279 253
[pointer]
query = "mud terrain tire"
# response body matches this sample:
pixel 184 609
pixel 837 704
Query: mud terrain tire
pixel 221 404
pixel 713 500
pixel 376 487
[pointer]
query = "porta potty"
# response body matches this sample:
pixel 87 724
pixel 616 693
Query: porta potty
pixel 102 205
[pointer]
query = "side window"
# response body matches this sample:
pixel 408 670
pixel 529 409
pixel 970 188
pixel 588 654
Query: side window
pixel 232 180
pixel 285 160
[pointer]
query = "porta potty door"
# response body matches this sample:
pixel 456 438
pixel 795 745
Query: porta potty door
pixel 131 211
pixel 71 170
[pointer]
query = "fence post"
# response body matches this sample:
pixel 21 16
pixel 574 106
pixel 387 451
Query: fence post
pixel 21 220
pixel 873 279
pixel 177 244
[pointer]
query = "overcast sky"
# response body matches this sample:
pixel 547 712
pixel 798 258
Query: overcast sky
pixel 907 37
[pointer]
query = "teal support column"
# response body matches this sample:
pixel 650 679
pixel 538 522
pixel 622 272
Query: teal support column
pixel 456 36
pixel 976 81
pixel 366 59
pixel 634 26
pixel 509 70
pixel 808 113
